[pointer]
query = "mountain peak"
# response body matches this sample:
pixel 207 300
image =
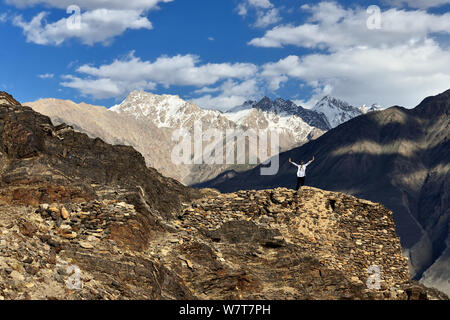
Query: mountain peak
pixel 336 111
pixel 435 105
pixel 375 107
pixel 7 99
pixel 162 110
pixel 333 100
pixel 144 94
pixel 283 107
pixel 278 105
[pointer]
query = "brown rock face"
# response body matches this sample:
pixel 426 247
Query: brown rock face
pixel 288 242
pixel 7 99
pixel 81 219
pixel 38 155
pixel 43 163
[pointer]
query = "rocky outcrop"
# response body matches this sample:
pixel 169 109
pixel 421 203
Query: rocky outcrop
pixel 90 187
pixel 7 99
pixel 40 253
pixel 341 232
pixel 270 244
pixel 38 154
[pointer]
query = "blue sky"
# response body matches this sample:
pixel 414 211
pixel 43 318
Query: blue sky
pixel 221 53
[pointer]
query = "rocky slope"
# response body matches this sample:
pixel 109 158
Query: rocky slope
pixel 98 122
pixel 82 219
pixel 397 157
pixel 42 162
pixel 275 247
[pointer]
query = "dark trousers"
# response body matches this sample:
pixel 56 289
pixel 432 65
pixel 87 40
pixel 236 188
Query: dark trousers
pixel 300 182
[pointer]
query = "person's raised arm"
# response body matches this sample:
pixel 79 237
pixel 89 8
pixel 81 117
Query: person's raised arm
pixel 290 161
pixel 312 160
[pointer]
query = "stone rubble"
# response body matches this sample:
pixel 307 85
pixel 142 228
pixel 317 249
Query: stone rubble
pixel 271 244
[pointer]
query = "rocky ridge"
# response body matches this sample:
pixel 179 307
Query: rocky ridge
pixel 342 232
pixel 271 244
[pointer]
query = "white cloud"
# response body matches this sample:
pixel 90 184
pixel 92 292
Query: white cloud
pixel 231 94
pixel 420 4
pixel 401 63
pixel 3 17
pixel 264 4
pixel 398 64
pixel 400 75
pixel 245 5
pixel 206 90
pixel 99 23
pixel 266 13
pixel 267 18
pixel 91 4
pixel 333 27
pixel 104 88
pixel 124 75
pixel 46 76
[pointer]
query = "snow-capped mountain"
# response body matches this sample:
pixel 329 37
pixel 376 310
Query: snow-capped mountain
pixel 169 111
pixel 336 111
pixel 375 107
pixel 294 123
pixel 245 106
pixel 289 108
pixel 147 122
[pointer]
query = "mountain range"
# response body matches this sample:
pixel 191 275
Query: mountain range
pixel 399 157
pixel 147 121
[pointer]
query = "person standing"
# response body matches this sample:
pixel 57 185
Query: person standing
pixel 301 172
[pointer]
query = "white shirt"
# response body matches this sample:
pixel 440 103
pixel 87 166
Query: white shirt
pixel 301 172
